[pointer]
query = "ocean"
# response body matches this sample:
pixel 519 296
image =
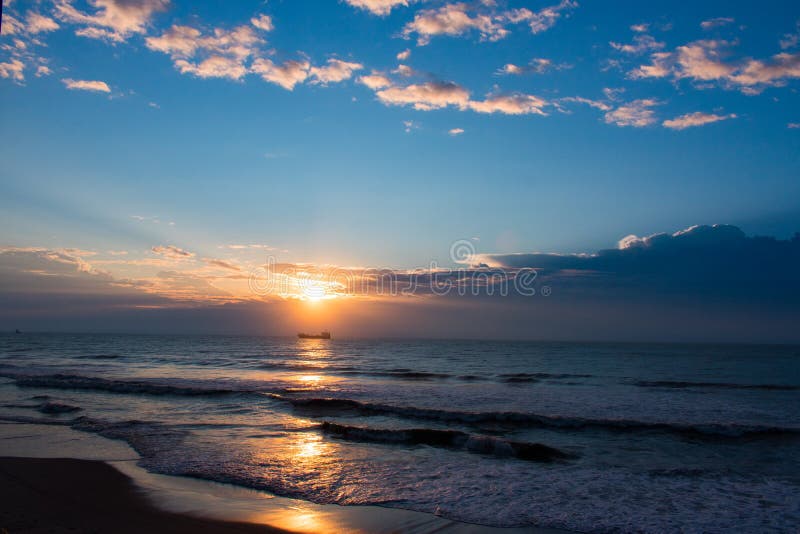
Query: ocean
pixel 590 437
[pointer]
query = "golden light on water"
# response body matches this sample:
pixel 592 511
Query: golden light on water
pixel 301 519
pixel 310 379
pixel 309 446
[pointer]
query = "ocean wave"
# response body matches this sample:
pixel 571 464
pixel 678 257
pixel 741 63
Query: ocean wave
pixel 65 381
pixel 111 356
pixel 451 439
pixel 523 419
pixel 53 408
pixel 7 418
pixel 149 439
pixel 682 384
pixel 535 377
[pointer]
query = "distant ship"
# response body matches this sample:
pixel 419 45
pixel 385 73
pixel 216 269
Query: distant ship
pixel 322 335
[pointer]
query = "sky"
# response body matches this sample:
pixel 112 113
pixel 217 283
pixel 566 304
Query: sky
pixel 159 156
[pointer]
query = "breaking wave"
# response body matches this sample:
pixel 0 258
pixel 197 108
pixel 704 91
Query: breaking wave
pixel 66 381
pixel 680 384
pixel 522 419
pixel 452 439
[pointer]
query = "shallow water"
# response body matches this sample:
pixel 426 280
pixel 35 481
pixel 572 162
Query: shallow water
pixel 588 437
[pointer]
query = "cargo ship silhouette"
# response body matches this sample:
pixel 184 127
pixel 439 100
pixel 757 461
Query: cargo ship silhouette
pixel 322 335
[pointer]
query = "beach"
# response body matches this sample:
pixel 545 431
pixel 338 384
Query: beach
pixel 55 479
pixel 67 495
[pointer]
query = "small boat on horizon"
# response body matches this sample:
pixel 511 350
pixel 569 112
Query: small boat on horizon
pixel 322 335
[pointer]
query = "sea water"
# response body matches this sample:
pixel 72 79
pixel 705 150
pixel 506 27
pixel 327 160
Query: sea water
pixel 596 437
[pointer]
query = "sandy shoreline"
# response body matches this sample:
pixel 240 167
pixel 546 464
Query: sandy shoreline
pixel 68 495
pixel 56 479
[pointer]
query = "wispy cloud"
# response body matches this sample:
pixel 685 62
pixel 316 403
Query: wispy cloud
pixel 641 43
pixel 263 23
pixel 484 18
pixel 38 23
pixel 425 96
pixel 172 252
pixel 511 104
pixel 375 80
pixel 455 131
pixel 287 75
pixel 702 62
pixel 378 7
pixel 113 20
pixel 410 126
pixel 222 53
pixel 791 40
pixel 13 69
pixel 336 70
pixel 716 22
pixel 86 85
pixel 697 118
pixel 236 246
pixel 537 65
pixel 432 95
pixel 637 113
pixel 221 264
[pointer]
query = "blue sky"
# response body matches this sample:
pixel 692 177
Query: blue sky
pixel 378 132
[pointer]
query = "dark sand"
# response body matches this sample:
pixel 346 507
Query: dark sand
pixel 58 495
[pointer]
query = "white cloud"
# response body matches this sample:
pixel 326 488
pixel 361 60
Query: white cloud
pixel 221 53
pixel 543 19
pixel 641 43
pixel 408 126
pixel 111 19
pixel 637 113
pixel 377 7
pixel 453 19
pixel 697 118
pixel 597 104
pixel 491 24
pixel 263 22
pixel 425 96
pixel 11 26
pixel 287 75
pixel 375 81
pixel 538 65
pixel 404 55
pixel 456 131
pixel 335 71
pixel 703 61
pixel 431 95
pixel 716 22
pixel 513 104
pixel 213 67
pixel 791 40
pixel 39 23
pixel 235 53
pixel 13 69
pixel 86 85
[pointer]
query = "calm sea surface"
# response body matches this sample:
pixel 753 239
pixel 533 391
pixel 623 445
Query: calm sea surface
pixel 590 437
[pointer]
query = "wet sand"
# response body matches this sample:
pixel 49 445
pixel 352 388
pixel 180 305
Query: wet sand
pixel 67 495
pixel 55 479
